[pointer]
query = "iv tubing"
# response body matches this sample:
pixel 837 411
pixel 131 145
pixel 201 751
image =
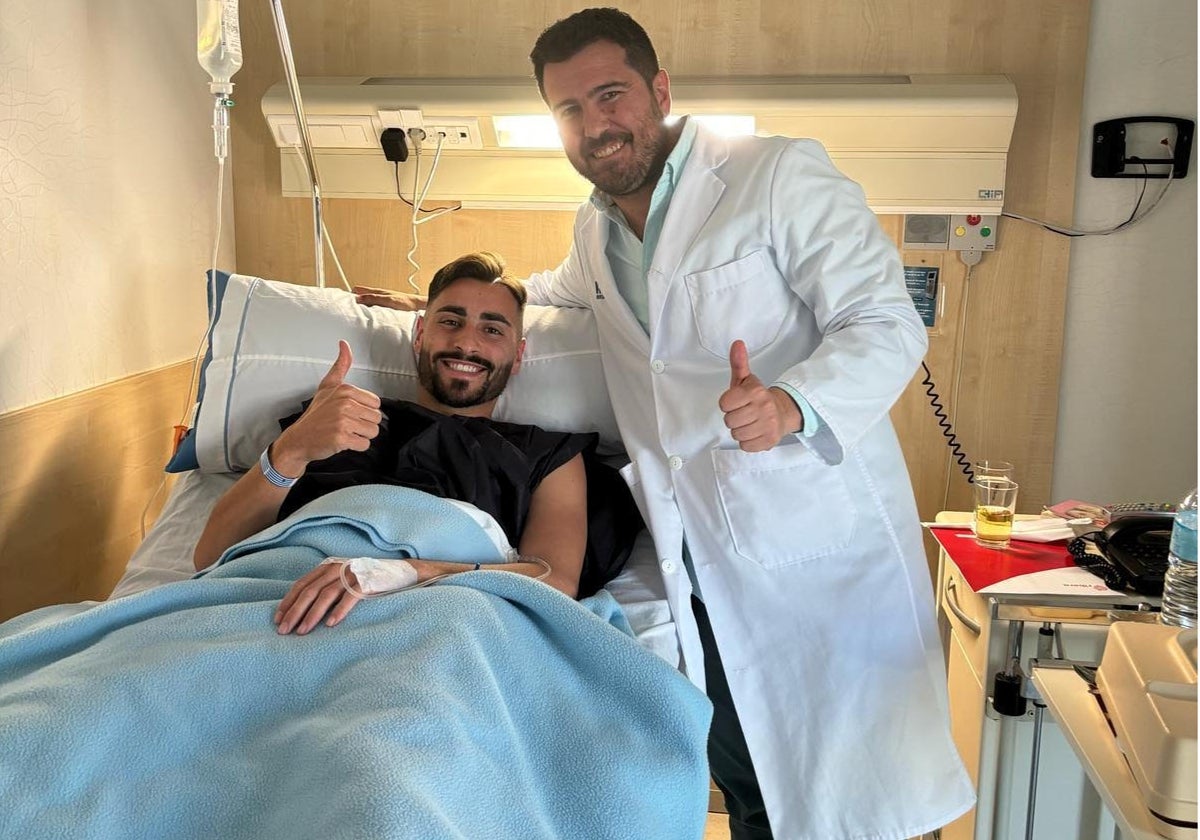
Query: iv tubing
pixel 336 262
pixel 499 567
pixel 310 162
pixel 204 339
pixel 328 239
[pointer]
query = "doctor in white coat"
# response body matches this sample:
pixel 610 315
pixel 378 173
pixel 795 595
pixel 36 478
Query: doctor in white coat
pixel 755 330
pixel 716 268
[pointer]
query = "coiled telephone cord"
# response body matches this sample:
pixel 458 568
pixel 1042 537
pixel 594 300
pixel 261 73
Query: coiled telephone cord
pixel 943 421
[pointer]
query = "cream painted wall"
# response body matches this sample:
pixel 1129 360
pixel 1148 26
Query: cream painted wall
pixel 1127 419
pixel 107 193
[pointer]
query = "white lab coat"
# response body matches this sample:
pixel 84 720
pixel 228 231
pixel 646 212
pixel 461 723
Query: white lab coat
pixel 809 556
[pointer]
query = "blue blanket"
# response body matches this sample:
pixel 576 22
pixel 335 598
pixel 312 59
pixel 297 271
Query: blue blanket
pixel 485 706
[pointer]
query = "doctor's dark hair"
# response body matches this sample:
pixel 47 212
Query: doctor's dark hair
pixel 483 266
pixel 569 36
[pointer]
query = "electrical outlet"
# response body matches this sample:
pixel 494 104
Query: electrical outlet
pixel 460 132
pixel 402 118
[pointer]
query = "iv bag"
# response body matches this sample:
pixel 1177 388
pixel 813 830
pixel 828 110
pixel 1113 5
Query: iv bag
pixel 218 42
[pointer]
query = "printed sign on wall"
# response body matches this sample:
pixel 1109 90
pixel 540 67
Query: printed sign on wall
pixel 922 282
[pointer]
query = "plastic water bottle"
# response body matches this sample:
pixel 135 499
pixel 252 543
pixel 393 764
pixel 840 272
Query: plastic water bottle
pixel 218 42
pixel 1179 587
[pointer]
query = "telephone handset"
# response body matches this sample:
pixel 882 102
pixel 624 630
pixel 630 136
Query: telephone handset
pixel 1130 552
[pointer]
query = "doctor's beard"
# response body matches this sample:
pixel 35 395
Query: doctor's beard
pixel 648 144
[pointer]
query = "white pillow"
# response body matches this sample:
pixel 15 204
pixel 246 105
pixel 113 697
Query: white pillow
pixel 273 342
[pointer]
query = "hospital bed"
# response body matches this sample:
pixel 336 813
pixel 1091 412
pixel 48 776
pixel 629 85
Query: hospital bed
pixel 487 705
pixel 269 345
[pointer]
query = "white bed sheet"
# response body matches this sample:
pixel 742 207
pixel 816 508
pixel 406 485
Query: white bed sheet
pixel 165 556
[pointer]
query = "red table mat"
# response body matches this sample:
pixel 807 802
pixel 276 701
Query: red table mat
pixel 981 567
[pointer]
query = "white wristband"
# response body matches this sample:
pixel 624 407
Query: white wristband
pixel 271 474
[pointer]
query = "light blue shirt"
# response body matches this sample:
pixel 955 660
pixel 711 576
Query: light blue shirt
pixel 630 259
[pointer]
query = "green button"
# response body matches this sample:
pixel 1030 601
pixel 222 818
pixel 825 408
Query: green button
pixel 985 231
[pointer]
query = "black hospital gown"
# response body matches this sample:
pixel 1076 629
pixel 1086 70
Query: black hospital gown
pixel 493 465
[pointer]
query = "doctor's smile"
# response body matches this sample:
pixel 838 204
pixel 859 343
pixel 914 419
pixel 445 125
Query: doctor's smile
pixel 607 148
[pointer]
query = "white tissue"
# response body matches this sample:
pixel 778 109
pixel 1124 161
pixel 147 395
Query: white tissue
pixel 1044 529
pixel 376 576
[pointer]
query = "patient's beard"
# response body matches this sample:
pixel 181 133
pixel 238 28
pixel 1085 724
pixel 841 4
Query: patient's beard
pixel 456 393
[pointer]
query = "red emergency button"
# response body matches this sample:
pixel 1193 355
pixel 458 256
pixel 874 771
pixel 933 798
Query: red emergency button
pixel 974 220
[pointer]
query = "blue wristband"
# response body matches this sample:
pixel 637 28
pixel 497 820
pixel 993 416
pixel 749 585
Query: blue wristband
pixel 271 474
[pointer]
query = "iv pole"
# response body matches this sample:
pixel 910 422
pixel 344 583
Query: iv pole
pixel 307 158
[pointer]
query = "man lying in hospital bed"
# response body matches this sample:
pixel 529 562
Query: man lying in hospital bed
pixel 488 705
pixel 532 482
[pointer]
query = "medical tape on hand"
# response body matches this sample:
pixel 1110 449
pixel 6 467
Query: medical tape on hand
pixel 375 576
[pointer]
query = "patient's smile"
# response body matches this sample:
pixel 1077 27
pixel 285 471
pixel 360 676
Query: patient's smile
pixel 463 381
pixel 463 367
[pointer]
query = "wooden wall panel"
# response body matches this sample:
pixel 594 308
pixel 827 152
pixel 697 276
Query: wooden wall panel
pixel 79 474
pixel 1004 397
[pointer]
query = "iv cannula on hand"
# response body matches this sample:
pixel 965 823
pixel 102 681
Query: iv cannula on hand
pixel 219 51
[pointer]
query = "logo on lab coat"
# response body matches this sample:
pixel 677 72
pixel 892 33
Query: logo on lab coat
pixel 599 294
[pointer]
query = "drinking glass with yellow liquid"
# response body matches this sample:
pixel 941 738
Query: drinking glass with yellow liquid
pixel 993 468
pixel 995 504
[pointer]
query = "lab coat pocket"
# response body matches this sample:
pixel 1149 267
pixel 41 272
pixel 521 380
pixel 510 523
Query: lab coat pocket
pixel 744 299
pixel 783 506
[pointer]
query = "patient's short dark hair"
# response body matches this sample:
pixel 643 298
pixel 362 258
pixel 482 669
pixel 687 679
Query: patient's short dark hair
pixel 564 39
pixel 483 266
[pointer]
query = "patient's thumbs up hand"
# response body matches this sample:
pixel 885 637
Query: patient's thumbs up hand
pixel 341 366
pixel 340 417
pixel 757 416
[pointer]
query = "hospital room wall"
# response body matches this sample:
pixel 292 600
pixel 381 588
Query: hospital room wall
pixel 1001 385
pixel 1127 423
pixel 107 199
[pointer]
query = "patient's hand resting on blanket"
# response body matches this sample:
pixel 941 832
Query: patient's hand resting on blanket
pixel 320 594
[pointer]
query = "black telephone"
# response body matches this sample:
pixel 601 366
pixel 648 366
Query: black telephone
pixel 1134 549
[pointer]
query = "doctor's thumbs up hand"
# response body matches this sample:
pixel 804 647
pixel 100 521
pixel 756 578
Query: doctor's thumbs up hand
pixel 757 416
pixel 340 417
